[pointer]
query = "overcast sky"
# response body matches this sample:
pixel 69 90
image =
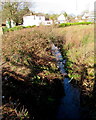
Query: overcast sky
pixel 58 6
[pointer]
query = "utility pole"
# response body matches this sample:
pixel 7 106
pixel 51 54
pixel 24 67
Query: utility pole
pixel 76 9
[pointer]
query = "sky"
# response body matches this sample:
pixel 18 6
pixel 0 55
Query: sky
pixel 58 6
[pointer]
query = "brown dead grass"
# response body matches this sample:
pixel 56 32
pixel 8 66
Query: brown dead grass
pixel 79 47
pixel 27 51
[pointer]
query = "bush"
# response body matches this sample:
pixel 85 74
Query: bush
pixel 30 26
pixel 77 23
pixel 5 29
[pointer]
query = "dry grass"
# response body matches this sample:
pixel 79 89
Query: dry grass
pixel 27 51
pixel 33 45
pixel 79 48
pixel 30 74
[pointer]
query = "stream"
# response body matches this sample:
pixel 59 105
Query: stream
pixel 69 105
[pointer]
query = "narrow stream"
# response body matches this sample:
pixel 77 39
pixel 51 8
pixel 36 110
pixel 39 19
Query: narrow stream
pixel 69 107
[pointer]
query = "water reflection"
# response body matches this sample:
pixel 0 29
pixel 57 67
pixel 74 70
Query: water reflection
pixel 69 107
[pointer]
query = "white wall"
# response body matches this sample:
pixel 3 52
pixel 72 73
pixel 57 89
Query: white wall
pixel 48 22
pixel 33 20
pixel 61 19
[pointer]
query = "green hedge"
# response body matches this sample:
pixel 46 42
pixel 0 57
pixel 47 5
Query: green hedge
pixel 77 23
pixel 5 29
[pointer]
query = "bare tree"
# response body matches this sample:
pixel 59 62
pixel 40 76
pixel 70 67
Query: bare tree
pixel 15 10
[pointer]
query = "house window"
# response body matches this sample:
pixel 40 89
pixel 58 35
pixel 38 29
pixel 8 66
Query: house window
pixel 48 22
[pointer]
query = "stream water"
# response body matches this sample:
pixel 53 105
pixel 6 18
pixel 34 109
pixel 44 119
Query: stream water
pixel 69 106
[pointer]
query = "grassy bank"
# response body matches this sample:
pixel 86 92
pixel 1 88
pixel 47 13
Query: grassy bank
pixel 31 79
pixel 79 51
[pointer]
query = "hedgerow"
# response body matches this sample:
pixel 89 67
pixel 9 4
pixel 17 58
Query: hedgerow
pixel 77 23
pixel 5 29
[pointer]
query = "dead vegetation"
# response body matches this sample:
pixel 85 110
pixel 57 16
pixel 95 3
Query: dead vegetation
pixel 27 57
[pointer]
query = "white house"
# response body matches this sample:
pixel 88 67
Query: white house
pixel 10 23
pixel 48 22
pixel 85 16
pixel 13 24
pixel 90 16
pixel 35 20
pixel 61 19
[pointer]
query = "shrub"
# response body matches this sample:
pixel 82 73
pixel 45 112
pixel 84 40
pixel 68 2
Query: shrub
pixel 77 23
pixel 5 29
pixel 30 26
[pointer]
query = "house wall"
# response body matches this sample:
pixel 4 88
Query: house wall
pixel 61 19
pixel 33 20
pixel 48 22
